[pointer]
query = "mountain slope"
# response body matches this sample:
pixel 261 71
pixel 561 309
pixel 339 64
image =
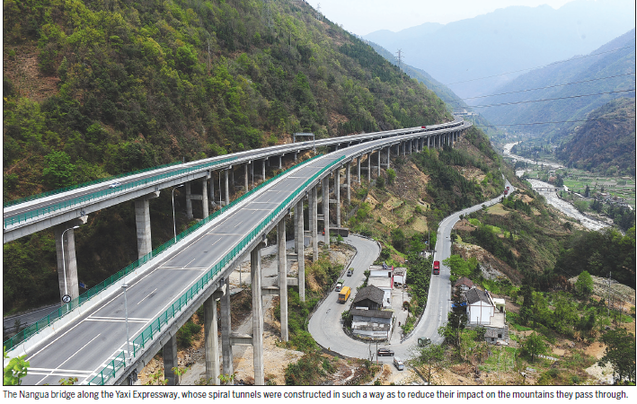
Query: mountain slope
pixel 609 69
pixel 110 87
pixel 96 88
pixel 508 40
pixel 605 143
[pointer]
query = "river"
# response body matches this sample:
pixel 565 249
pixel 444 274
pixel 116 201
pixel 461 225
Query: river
pixel 551 196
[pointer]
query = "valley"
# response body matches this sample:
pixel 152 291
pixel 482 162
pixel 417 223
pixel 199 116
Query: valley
pixel 458 265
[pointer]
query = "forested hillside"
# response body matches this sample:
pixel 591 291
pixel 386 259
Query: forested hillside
pixel 94 88
pixel 605 143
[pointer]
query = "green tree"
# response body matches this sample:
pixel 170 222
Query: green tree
pixel 532 346
pixel 526 311
pixel 456 320
pixel 15 370
pixel 431 356
pixel 620 353
pixel 584 285
pixel 59 172
pixel 391 176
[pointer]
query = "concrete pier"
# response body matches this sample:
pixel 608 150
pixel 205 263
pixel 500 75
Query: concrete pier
pixel 283 274
pixel 169 353
pixel 326 209
pixel 142 223
pixel 300 247
pixel 226 331
pixel 257 316
pixel 66 261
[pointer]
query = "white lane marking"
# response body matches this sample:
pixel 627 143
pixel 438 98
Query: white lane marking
pixel 69 358
pixel 147 296
pixel 118 320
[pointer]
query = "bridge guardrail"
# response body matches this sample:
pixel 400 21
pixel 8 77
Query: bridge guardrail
pixel 84 184
pixel 23 217
pixel 35 328
pixel 155 327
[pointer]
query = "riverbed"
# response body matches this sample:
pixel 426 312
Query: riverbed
pixel 551 196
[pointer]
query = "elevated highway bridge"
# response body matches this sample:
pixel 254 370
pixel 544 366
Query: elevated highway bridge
pixel 109 336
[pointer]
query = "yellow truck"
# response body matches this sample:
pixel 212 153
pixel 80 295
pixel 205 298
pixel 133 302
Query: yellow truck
pixel 343 295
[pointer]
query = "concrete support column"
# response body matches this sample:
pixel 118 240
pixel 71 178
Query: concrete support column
pixel 188 201
pixel 388 157
pixel 263 170
pixel 204 198
pixel 169 352
pixel 326 209
pixel 245 181
pixel 314 222
pixel 211 339
pixel 280 162
pixel 337 191
pixel 283 278
pixel 358 168
pixel 252 174
pixel 257 316
pixel 369 166
pixel 66 260
pixel 428 141
pixel 142 223
pixel 226 330
pixel 211 187
pixel 378 154
pixel 300 247
pixel 348 168
pixel 227 188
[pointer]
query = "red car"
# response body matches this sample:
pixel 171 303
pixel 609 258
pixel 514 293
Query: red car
pixel 436 267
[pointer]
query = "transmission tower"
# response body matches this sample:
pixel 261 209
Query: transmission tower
pixel 318 12
pixel 399 57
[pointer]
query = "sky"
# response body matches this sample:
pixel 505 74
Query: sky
pixel 365 16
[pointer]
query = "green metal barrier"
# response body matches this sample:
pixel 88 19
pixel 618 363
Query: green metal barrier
pixel 155 327
pixel 85 184
pixel 35 328
pixel 23 217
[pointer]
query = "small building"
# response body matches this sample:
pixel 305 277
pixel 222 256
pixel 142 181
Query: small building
pixel 400 276
pixel 480 306
pixel 464 284
pixel 372 324
pixel 370 298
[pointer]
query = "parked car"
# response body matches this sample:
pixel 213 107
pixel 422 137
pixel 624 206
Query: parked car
pixel 384 352
pixel 350 272
pixel 339 285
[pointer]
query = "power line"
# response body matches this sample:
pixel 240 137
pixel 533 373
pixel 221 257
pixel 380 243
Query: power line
pixel 553 99
pixel 554 85
pixel 538 67
pixel 550 122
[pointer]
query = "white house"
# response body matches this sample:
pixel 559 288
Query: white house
pixel 480 307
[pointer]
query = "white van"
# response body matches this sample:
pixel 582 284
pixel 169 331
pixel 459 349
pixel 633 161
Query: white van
pixel 398 363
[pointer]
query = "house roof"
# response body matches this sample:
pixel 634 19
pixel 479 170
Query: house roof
pixel 372 313
pixel 370 292
pixel 464 281
pixel 474 295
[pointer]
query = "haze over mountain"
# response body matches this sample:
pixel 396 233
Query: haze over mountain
pixel 608 72
pixel 507 41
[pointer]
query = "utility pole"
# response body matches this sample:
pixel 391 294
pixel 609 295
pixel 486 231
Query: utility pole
pixel 608 304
